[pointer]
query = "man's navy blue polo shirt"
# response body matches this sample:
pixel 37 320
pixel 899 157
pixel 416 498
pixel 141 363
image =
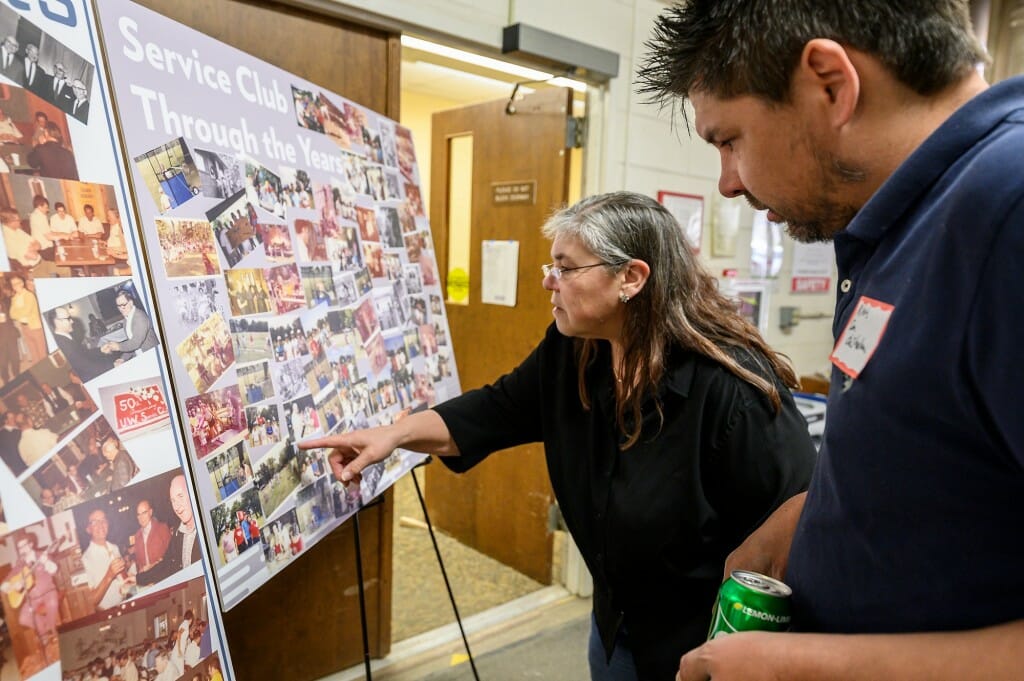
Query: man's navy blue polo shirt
pixel 914 516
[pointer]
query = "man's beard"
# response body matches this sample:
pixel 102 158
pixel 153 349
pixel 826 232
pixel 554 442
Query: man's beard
pixel 823 216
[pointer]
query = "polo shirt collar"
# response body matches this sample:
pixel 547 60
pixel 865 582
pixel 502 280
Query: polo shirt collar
pixel 933 158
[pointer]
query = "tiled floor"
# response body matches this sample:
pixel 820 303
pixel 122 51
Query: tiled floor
pixel 419 599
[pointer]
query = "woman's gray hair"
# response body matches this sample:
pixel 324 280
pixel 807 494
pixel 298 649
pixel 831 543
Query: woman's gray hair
pixel 679 305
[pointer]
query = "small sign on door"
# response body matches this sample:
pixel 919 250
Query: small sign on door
pixel 511 193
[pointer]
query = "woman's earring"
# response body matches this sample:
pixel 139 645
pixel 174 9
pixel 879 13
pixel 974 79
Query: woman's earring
pixel 623 297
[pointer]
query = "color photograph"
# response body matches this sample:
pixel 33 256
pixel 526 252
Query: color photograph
pixel 215 419
pixel 207 353
pixel 187 247
pixel 170 174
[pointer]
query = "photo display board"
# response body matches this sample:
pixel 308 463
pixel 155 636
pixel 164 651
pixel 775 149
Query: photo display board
pixel 299 292
pixel 101 556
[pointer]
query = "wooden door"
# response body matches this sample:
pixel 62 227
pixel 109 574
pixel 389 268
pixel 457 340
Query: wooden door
pixel 304 623
pixel 501 507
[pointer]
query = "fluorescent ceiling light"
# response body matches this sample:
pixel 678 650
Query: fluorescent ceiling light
pixel 562 81
pixel 470 58
pixel 448 72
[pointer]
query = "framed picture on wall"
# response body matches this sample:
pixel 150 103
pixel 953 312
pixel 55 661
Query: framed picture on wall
pixel 688 210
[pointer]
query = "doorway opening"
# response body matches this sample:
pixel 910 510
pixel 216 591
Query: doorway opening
pixel 433 81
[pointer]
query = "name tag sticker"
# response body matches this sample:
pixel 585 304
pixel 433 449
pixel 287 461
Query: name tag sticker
pixel 861 336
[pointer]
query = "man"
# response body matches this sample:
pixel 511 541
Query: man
pixel 867 122
pixel 53 159
pixel 21 248
pixel 25 311
pixel 166 670
pixel 183 549
pixel 36 442
pixel 105 569
pixel 140 332
pixel 31 583
pixel 55 401
pixel 79 106
pixel 39 224
pixel 152 538
pixel 62 225
pixel 121 469
pixel 10 64
pixel 10 438
pixel 90 225
pixel 87 362
pixel 36 80
pixel 60 90
pixel 47 501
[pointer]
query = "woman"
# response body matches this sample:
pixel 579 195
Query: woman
pixel 668 427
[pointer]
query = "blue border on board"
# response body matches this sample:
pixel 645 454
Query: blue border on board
pixel 225 657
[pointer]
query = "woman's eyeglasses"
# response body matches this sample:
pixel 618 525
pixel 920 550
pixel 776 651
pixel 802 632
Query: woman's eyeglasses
pixel 557 272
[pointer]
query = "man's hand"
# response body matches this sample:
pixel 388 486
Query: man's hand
pixel 748 656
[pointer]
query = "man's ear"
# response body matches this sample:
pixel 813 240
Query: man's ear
pixel 635 277
pixel 826 74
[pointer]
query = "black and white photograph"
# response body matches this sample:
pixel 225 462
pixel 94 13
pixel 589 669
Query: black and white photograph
pixel 197 300
pixel 221 175
pixel 290 377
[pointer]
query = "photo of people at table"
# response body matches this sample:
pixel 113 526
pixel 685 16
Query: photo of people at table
pixel 34 137
pixel 236 524
pixel 186 247
pixel 234 223
pixel 229 471
pixel 207 352
pixel 215 419
pixel 160 635
pixel 37 409
pixel 92 464
pixel 170 174
pixel 61 228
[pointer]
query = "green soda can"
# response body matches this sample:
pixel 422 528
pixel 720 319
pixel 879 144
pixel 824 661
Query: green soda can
pixel 749 601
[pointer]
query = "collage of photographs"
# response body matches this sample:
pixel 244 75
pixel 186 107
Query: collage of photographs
pixel 299 303
pixel 100 523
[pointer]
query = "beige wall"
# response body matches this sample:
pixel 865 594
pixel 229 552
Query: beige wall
pixel 638 149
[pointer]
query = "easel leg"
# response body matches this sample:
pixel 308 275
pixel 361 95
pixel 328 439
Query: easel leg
pixel 362 598
pixel 444 573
